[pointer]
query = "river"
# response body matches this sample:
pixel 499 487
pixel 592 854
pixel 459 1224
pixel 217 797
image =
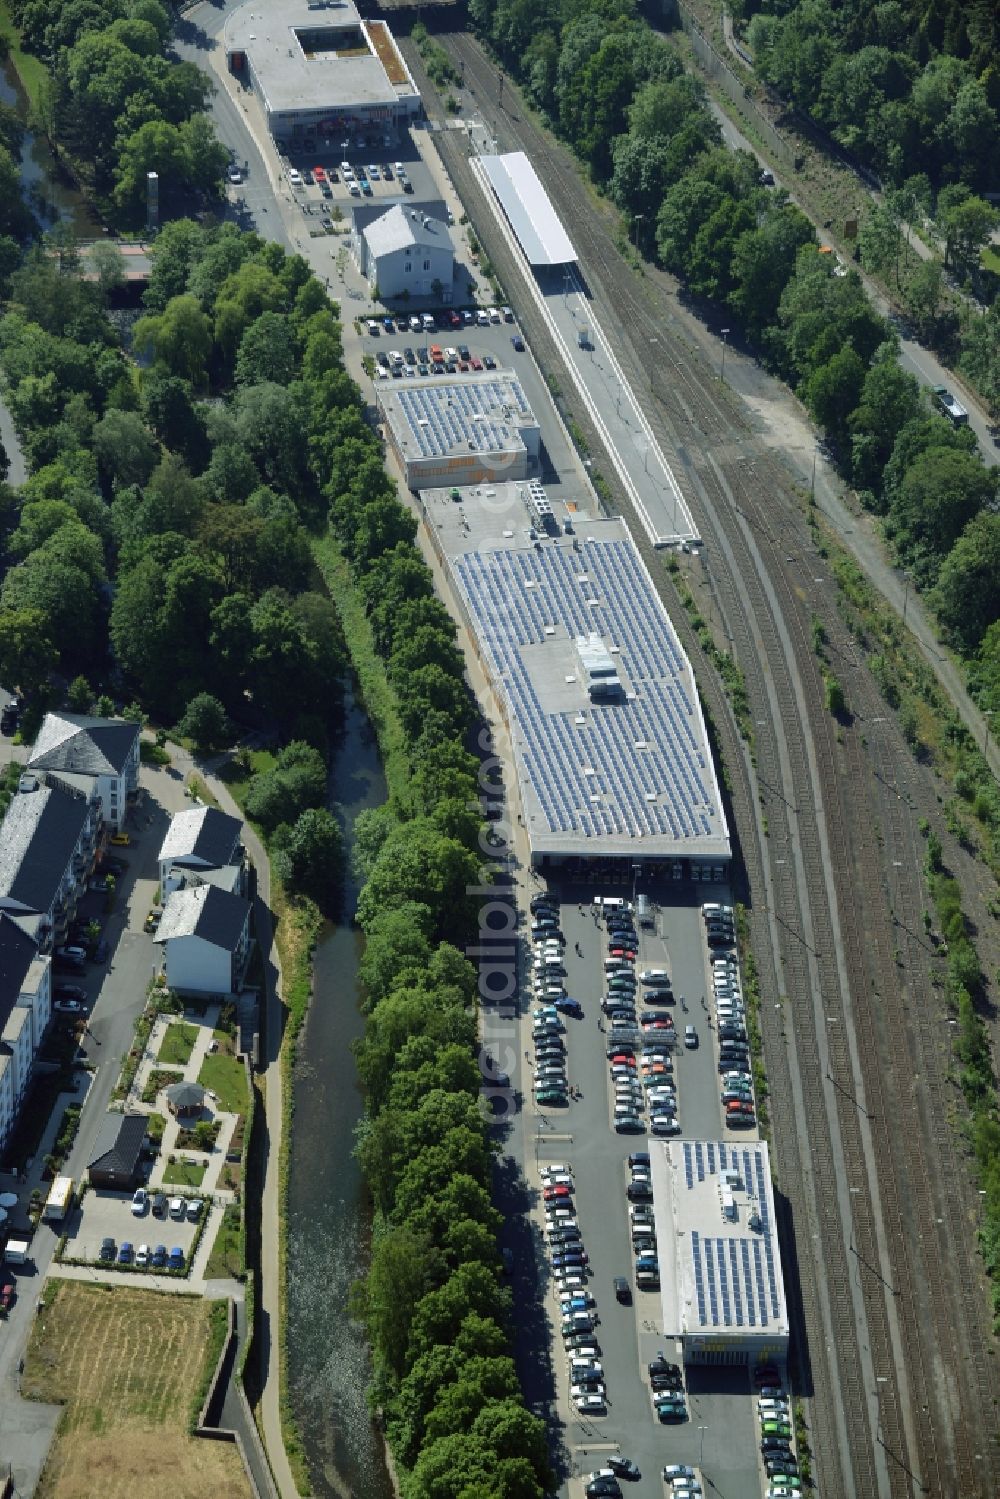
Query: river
pixel 327 1205
pixel 46 188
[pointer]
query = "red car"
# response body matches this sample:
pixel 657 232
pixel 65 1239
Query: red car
pixel 622 1059
pixel 553 1194
pixel 454 321
pixel 654 1025
pixel 477 364
pixel 319 174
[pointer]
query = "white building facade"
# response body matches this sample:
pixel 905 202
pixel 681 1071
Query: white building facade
pixel 406 251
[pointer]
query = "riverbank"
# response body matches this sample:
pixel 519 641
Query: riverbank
pixel 32 74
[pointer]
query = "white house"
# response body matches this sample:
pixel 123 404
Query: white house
pixel 200 843
pixel 205 934
pixel 25 1009
pixel 405 250
pixel 102 750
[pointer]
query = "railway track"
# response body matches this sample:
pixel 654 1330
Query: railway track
pixel 871 1055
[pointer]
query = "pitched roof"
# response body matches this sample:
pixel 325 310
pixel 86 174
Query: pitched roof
pixel 402 228
pixel 119 1143
pixel 203 834
pixel 207 912
pixel 91 746
pixel 39 832
pixel 17 953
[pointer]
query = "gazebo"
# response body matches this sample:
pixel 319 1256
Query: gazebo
pixel 185 1098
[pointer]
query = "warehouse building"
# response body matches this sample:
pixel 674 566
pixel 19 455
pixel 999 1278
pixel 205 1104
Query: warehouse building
pixel 406 252
pixel 321 73
pixel 721 1288
pixel 460 432
pixel 610 744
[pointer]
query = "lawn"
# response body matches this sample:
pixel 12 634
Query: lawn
pixel 237 774
pixel 127 1365
pixel 224 1075
pixel 184 1173
pixel 178 1044
pixel 991 260
pixel 225 1259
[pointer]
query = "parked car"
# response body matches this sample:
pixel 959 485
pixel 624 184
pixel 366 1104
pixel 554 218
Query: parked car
pixel 176 1259
pixel 126 1253
pixel 140 1202
pixel 108 1250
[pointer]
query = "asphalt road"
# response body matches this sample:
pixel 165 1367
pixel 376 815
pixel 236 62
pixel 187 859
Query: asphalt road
pixel 582 1135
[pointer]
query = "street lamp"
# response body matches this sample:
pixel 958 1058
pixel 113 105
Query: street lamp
pixel 725 336
pixel 701 1455
pixel 637 219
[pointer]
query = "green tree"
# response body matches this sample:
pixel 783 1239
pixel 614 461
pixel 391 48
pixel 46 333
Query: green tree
pixel 123 447
pixel 404 1265
pixel 205 723
pixel 267 351
pixel 310 857
pixel 833 390
pixel 939 494
pixel 27 654
pixel 966 598
pixel 967 222
pixel 180 338
pixel 981 355
pixel 923 293
pixel 80 695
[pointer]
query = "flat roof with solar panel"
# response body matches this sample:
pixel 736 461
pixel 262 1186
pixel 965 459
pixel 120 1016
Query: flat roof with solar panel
pixel 468 427
pixel 611 747
pixel 722 1290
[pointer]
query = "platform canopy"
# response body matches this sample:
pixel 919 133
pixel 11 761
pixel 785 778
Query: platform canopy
pixel 526 203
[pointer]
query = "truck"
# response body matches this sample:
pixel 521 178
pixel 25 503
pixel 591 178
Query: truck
pixel 17 1251
pixel 952 408
pixel 59 1199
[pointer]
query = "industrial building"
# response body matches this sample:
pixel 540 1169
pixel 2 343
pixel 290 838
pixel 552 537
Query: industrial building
pixel 406 252
pixel 610 744
pixel 721 1288
pixel 474 428
pixel 321 73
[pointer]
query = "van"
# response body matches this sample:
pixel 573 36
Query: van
pixel 612 903
pixel 644 910
pixel 428 322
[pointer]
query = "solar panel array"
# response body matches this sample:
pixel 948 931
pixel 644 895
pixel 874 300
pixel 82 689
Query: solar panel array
pixel 637 768
pixel 735 1278
pixel 444 417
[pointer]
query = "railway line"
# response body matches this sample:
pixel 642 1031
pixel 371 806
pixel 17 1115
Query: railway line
pixel 893 1332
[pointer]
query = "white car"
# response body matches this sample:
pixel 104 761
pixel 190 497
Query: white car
pixel 235 177
pixel 354 190
pixel 494 313
pixel 559 1168
pixel 766 1407
pixel 140 1202
pixel 483 318
pixel 677 1470
pixel 590 1404
pixel 581 1391
pixel 142 1255
pixel 295 176
pixel 654 976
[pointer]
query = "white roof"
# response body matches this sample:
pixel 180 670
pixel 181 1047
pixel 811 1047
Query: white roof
pixel 526 204
pixel 717 1237
pixel 403 229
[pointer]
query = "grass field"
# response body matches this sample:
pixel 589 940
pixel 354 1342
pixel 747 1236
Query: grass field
pixel 225 1256
pixel 991 260
pixel 184 1173
pixel 225 1076
pixel 126 1365
pixel 178 1043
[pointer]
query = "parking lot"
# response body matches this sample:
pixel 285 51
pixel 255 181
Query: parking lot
pixel 105 1214
pixel 719 1436
pixel 559 469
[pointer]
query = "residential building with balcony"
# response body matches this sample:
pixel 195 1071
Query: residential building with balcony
pixel 205 934
pixel 49 839
pixel 25 1010
pixel 101 751
pixel 202 846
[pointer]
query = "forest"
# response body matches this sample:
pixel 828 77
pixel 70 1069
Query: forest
pixel 188 467
pixel 620 97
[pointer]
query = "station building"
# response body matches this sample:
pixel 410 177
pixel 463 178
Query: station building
pixel 722 1291
pixel 462 431
pixel 407 252
pixel 321 73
